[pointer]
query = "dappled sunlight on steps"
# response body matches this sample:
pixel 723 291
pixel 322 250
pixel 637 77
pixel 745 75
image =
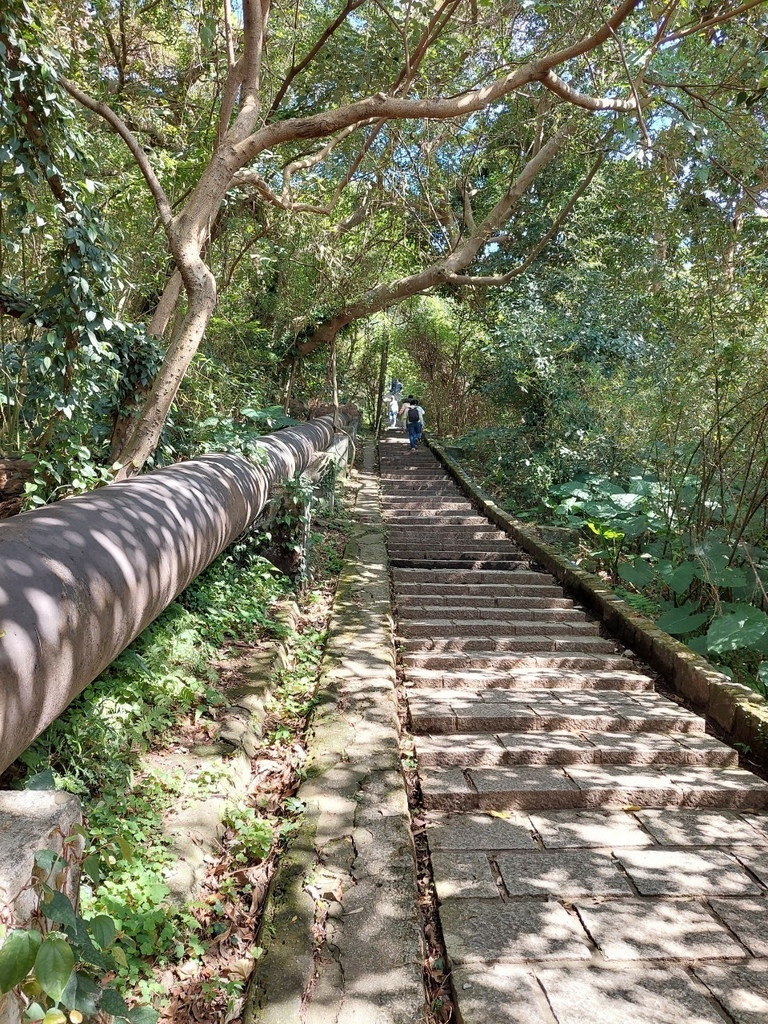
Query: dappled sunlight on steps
pixel 597 856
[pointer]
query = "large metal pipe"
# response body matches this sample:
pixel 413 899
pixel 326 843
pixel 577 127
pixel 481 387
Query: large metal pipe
pixel 80 579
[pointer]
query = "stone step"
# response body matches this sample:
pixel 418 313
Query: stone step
pixel 433 541
pixel 516 644
pixel 405 520
pixel 487 562
pixel 451 626
pixel 398 468
pixel 449 534
pixel 519 679
pixel 468 592
pixel 391 481
pixel 561 748
pixel 409 610
pixel 498 660
pixel 412 466
pixel 514 577
pixel 494 552
pixel 527 787
pixel 411 503
pixel 494 607
pixel 396 496
pixel 446 711
pixel 452 531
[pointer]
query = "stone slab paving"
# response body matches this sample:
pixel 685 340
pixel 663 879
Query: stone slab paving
pixel 598 858
pixel 342 936
pixel 742 989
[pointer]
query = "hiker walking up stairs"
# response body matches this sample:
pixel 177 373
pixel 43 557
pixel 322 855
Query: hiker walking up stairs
pixel 598 858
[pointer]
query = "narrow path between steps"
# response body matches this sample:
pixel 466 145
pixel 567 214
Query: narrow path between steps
pixel 598 858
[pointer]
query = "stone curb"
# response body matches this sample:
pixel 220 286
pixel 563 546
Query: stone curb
pixel 341 930
pixel 195 831
pixel 741 713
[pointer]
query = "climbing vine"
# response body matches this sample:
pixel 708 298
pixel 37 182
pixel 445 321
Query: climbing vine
pixel 66 359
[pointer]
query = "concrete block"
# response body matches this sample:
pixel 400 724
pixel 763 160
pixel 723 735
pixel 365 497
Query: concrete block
pixel 478 931
pixel 748 920
pixel 32 820
pixel 643 995
pixel 573 829
pixel 563 874
pixel 504 831
pixel 686 873
pixel 463 874
pixel 547 783
pixel 756 860
pixel 447 790
pixel 699 828
pixel 644 929
pixel 742 989
pixel 546 748
pixel 500 993
pixel 455 752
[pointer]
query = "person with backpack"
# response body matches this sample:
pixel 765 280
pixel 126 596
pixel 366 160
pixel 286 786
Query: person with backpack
pixel 402 412
pixel 413 422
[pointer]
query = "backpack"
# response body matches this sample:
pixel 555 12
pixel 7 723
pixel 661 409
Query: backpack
pixel 413 414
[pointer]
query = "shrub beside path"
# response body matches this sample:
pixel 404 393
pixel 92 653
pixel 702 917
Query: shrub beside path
pixel 597 856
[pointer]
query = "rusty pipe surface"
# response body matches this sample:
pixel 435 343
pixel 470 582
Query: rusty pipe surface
pixel 80 579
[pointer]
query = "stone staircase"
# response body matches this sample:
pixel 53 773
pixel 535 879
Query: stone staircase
pixel 597 856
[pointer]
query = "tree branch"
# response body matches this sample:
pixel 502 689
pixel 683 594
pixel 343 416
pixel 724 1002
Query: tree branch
pixel 633 87
pixel 581 99
pixel 385 295
pixel 255 16
pixel 718 19
pixel 395 108
pixel 296 69
pixel 228 98
pixel 138 154
pixel 304 163
pixel 500 279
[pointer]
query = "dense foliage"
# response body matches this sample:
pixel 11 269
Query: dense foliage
pixel 549 226
pixel 193 194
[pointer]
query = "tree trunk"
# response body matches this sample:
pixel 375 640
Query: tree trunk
pixel 149 426
pixel 382 381
pixel 335 386
pixel 289 386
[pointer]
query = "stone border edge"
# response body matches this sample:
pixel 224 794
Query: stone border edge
pixel 327 895
pixel 741 713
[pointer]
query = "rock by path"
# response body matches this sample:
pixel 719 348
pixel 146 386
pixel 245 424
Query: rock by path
pixel 598 858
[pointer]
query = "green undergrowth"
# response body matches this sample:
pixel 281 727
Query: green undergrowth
pixel 703 582
pixel 505 466
pixel 165 684
pixel 690 556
